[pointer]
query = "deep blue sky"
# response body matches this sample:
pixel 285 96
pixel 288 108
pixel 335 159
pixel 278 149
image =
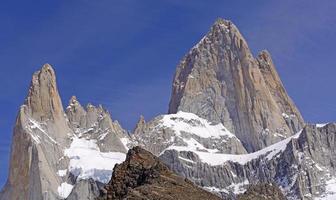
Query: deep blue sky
pixel 123 55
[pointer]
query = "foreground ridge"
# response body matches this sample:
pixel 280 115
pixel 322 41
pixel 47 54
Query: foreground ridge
pixel 144 176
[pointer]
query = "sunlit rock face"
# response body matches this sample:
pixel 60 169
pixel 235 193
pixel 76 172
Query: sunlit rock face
pixel 221 81
pixel 52 149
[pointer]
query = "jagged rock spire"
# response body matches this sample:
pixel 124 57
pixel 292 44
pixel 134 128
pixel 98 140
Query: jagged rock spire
pixel 76 113
pixel 40 133
pixel 43 99
pixel 275 86
pixel 220 80
pixel 140 126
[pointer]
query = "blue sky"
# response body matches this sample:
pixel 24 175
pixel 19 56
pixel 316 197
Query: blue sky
pixel 123 54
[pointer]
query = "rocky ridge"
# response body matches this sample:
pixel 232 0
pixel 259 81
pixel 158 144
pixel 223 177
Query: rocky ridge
pixel 262 192
pixel 301 166
pixel 144 176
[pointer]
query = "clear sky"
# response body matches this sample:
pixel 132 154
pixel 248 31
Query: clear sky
pixel 123 54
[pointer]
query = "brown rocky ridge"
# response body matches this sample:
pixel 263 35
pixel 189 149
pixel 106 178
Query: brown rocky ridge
pixel 144 176
pixel 262 192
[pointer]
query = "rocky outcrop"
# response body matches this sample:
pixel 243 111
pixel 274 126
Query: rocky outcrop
pixel 219 80
pixel 262 192
pixel 96 123
pixel 144 176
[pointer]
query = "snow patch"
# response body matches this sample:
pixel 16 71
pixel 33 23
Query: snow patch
pixel 191 123
pixel 102 136
pixel 62 173
pixel 239 188
pixel 236 188
pixel 86 160
pixel 330 193
pixel 35 125
pixel 185 159
pixel 125 142
pixel 321 125
pixel 288 116
pixel 216 190
pixel 64 190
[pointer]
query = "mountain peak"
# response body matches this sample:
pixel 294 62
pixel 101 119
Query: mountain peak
pixel 73 99
pixel 227 29
pixel 47 66
pixel 220 80
pixel 140 126
pixel 43 99
pixel 221 21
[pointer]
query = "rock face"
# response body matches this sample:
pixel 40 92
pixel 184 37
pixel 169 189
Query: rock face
pixel 40 132
pixel 49 145
pixel 144 176
pixel 262 192
pixel 302 166
pixel 96 123
pixel 185 130
pixel 85 189
pixel 219 80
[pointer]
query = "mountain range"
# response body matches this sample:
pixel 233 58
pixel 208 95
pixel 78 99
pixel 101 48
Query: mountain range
pixel 231 129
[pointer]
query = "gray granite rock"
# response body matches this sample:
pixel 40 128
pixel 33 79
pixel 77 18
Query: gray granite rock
pixel 40 134
pixel 85 190
pixel 220 80
pixel 96 123
pixel 304 169
pixel 155 136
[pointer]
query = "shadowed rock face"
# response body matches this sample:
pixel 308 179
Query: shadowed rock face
pixel 144 176
pixel 219 80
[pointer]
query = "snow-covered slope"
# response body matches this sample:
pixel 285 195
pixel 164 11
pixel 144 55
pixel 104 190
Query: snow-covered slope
pixel 87 161
pixel 184 122
pixel 185 130
pixel 302 165
pixel 215 158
